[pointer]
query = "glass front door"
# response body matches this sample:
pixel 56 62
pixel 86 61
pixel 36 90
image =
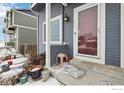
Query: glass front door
pixel 86 27
pixel 87 31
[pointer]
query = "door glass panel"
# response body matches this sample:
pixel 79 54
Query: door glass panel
pixel 87 31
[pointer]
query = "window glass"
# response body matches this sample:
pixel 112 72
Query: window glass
pixel 55 30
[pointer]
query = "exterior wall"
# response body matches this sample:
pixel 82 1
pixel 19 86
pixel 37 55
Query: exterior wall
pixel 58 49
pixel 25 24
pixel 112 34
pixel 41 46
pixel 57 9
pixel 68 26
pixel 26 35
pixel 112 55
pixel 24 20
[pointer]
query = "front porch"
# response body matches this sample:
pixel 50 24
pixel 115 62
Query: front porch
pixel 96 74
pixel 94 49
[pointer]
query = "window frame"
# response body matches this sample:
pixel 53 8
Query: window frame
pixel 60 29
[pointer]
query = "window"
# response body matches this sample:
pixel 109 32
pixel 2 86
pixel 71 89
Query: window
pixel 56 30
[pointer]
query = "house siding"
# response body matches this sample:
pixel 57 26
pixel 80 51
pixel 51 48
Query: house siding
pixel 41 14
pixel 68 26
pixel 24 20
pixel 112 52
pixel 26 36
pixel 57 9
pixel 57 49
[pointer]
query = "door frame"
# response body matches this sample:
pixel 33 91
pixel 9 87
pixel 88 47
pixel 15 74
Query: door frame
pixel 100 32
pixel 122 36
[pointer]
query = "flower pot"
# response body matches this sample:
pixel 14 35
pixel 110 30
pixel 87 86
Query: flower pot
pixel 35 71
pixel 10 62
pixel 23 79
pixel 5 68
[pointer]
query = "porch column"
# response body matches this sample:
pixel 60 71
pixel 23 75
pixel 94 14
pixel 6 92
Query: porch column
pixel 48 34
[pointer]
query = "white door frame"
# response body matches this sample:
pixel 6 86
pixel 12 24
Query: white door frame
pixel 101 31
pixel 122 36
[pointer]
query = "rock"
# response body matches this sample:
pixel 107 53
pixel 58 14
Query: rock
pixel 45 75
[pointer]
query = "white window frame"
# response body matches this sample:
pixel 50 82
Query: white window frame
pixel 60 34
pixel 100 58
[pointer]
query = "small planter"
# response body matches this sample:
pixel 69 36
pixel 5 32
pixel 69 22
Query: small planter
pixel 35 72
pixel 10 62
pixel 5 68
pixel 23 79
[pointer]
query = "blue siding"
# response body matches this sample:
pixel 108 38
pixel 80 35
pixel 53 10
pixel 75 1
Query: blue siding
pixel 112 56
pixel 40 32
pixel 56 9
pixel 68 26
pixel 58 49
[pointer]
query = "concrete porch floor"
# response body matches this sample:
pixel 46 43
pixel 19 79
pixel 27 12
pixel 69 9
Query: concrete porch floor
pixel 97 74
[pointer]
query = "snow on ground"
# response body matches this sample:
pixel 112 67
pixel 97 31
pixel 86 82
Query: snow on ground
pixel 2 44
pixel 50 81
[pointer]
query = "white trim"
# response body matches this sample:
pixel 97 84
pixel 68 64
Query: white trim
pixel 9 17
pixel 13 17
pixel 101 31
pixel 60 38
pixel 48 34
pixel 20 25
pixel 25 14
pixel 33 5
pixel 33 11
pixel 65 4
pixel 27 43
pixel 17 39
pixel 26 27
pixel 37 33
pixel 122 35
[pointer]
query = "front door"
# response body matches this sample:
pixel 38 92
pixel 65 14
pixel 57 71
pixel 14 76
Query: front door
pixel 87 31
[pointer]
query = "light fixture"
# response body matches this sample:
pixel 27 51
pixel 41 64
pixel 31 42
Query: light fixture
pixel 66 18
